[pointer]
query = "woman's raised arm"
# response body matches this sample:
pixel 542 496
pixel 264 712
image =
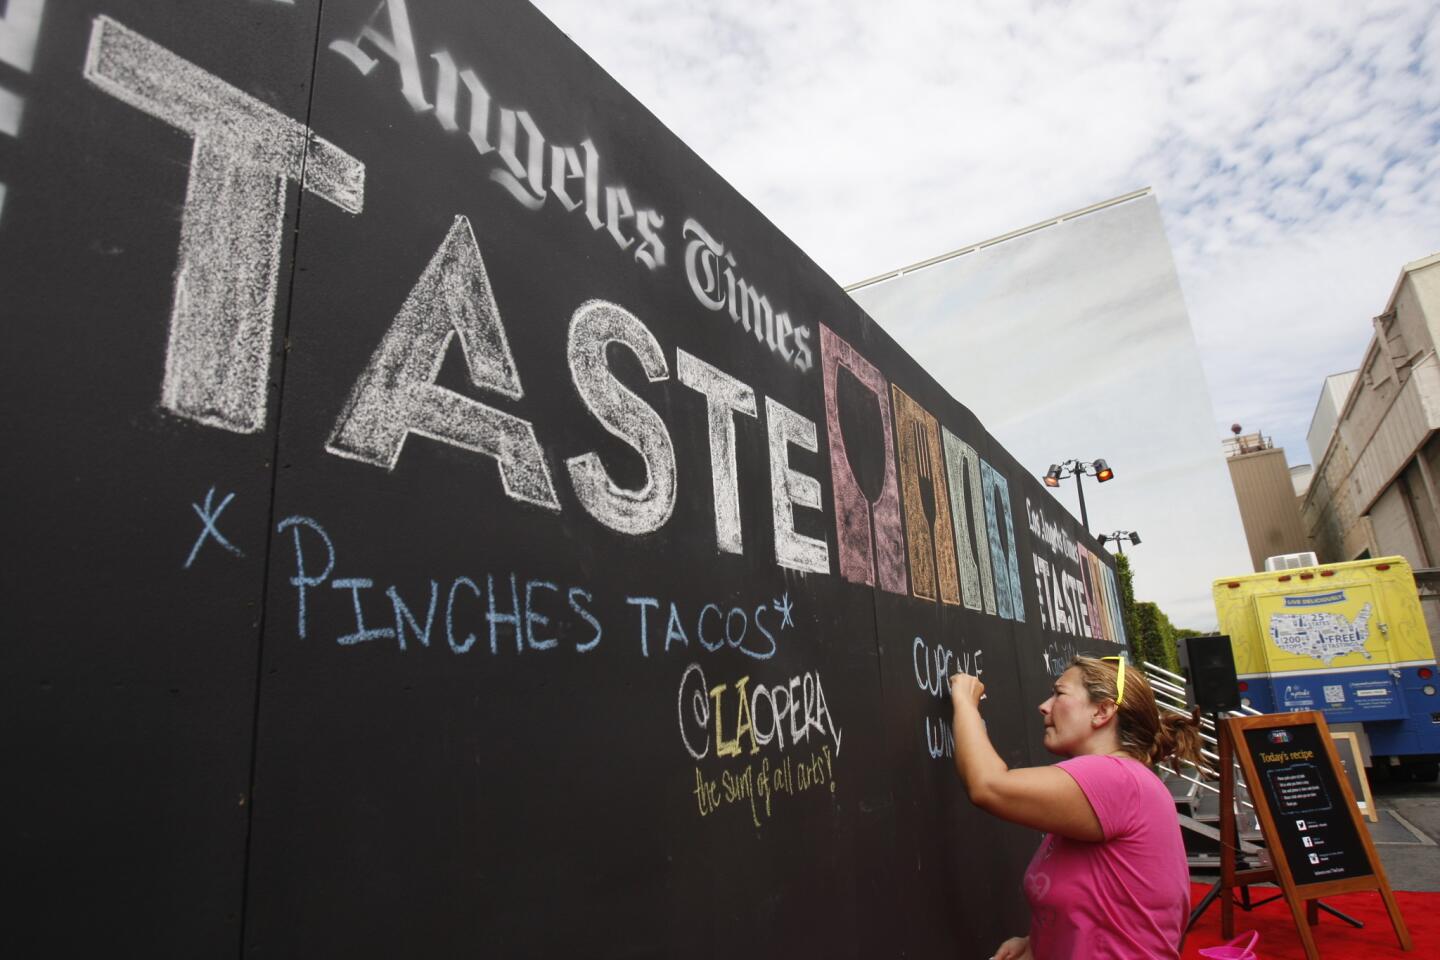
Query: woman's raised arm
pixel 1043 798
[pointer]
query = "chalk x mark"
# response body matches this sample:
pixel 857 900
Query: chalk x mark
pixel 208 515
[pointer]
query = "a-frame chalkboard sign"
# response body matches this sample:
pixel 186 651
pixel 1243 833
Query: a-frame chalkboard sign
pixel 1318 844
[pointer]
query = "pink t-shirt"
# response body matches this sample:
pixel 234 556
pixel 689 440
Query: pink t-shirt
pixel 1125 897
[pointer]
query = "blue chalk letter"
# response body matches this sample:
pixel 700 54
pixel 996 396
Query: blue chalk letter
pixel 301 580
pixel 361 634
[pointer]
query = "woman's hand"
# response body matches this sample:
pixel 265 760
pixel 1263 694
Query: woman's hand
pixel 965 688
pixel 1016 948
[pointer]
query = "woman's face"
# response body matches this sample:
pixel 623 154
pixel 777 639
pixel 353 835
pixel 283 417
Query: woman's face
pixel 1069 715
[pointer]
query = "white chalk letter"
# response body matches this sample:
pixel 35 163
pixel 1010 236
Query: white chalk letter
pixel 724 397
pixel 595 326
pixel 217 360
pixel 397 394
pixel 789 486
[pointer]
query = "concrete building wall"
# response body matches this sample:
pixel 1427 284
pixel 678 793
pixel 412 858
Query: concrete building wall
pixel 1395 527
pixel 1327 412
pixel 1375 486
pixel 1418 295
pixel 1389 434
pixel 1337 529
pixel 1268 509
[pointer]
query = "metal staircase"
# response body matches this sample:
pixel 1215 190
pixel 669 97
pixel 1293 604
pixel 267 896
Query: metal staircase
pixel 1197 789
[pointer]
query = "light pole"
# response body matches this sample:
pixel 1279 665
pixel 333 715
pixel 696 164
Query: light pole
pixel 1098 469
pixel 1119 537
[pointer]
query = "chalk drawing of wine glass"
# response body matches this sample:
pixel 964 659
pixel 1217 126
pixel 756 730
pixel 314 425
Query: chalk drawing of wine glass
pixel 861 425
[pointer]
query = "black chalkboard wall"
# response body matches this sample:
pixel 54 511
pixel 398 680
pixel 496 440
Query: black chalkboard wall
pixel 445 519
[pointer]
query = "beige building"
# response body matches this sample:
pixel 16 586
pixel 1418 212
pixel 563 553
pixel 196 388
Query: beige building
pixel 1373 437
pixel 1265 492
pixel 1374 491
pixel 1336 527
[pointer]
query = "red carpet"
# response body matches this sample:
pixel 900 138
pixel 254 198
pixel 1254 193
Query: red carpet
pixel 1335 940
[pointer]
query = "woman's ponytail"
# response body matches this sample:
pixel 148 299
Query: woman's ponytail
pixel 1178 737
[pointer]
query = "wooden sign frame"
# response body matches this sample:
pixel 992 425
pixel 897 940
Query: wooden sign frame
pixel 1303 899
pixel 1365 801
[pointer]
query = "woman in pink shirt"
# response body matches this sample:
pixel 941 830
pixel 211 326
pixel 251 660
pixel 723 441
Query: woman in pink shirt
pixel 1109 881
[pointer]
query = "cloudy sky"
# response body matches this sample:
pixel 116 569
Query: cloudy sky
pixel 1292 146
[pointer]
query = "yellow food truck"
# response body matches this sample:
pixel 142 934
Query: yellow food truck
pixel 1348 639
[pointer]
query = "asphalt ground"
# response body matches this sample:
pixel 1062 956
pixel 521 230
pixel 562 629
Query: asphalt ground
pixel 1408 834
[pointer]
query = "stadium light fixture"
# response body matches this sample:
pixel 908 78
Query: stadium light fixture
pixel 1098 469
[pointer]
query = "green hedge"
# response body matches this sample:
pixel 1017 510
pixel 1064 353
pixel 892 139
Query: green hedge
pixel 1151 634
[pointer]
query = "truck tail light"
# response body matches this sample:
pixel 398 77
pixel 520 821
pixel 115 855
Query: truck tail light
pixel 1284 579
pixel 1382 566
pixel 1233 584
pixel 1425 673
pixel 1327 573
pixel 1244 687
pixel 1307 576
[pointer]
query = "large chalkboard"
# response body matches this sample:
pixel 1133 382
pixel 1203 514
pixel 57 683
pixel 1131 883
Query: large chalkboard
pixel 445 517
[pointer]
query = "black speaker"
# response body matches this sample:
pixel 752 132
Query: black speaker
pixel 1209 667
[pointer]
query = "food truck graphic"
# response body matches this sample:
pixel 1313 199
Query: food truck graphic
pixel 1348 639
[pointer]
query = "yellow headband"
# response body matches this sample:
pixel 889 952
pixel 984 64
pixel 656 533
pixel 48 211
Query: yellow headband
pixel 1119 678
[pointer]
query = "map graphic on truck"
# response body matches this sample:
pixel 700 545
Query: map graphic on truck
pixel 1324 636
pixel 1348 639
